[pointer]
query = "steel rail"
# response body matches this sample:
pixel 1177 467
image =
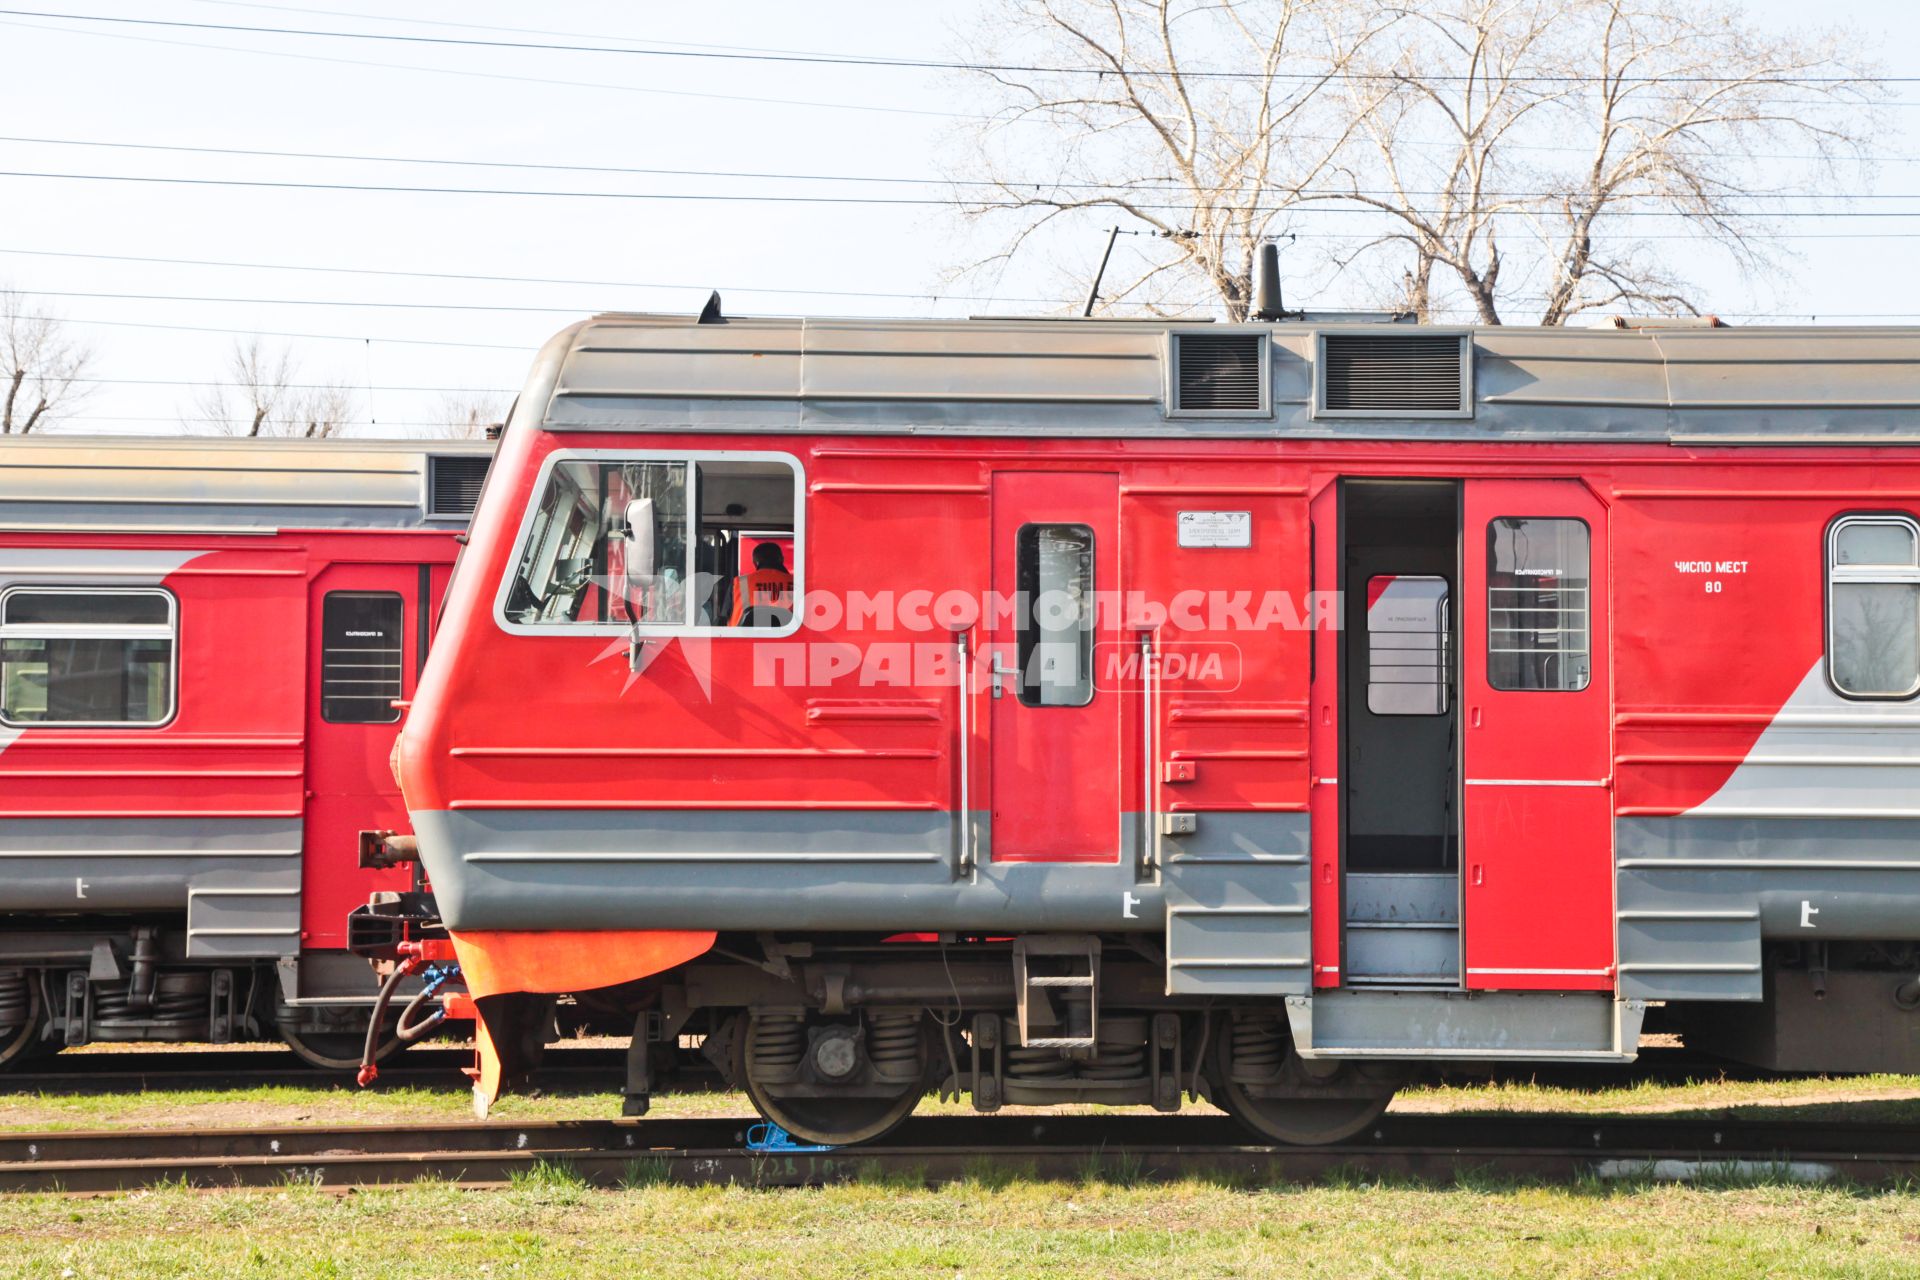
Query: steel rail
pixel 945 1148
pixel 108 1071
pixel 111 1072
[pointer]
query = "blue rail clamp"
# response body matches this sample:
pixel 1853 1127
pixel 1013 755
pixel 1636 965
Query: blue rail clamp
pixel 769 1138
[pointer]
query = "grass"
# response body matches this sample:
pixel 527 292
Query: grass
pixel 1892 1098
pixel 550 1224
pixel 1000 1220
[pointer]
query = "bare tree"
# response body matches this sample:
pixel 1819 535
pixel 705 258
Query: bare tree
pixel 1478 153
pixel 1543 145
pixel 466 415
pixel 41 365
pixel 321 409
pixel 261 396
pixel 1188 117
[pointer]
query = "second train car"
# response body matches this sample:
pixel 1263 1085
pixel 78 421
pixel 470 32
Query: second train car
pixel 204 650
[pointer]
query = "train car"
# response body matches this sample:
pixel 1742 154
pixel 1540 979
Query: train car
pixel 1145 709
pixel 204 647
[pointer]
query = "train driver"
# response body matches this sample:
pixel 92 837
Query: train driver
pixel 763 598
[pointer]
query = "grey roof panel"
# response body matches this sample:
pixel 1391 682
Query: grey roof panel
pixel 52 483
pixel 1105 378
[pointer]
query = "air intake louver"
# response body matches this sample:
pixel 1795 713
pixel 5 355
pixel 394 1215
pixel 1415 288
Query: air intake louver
pixel 1392 375
pixel 1219 373
pixel 453 485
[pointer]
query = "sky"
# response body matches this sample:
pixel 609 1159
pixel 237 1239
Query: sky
pixel 305 266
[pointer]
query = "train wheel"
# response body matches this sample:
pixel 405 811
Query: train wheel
pixel 334 1050
pixel 1260 1081
pixel 19 1019
pixel 769 1047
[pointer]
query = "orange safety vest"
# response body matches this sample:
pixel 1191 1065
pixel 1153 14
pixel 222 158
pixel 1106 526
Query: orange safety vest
pixel 763 588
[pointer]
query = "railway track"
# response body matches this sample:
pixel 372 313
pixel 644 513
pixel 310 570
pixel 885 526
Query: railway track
pixel 943 1148
pixel 596 1067
pixel 233 1068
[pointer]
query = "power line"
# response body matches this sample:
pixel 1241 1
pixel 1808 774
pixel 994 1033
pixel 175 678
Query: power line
pixel 287 386
pixel 585 311
pixel 927 296
pixel 281 333
pixel 482 26
pixel 500 75
pixel 711 197
pixel 160 419
pixel 305 302
pixel 1056 184
pixel 904 63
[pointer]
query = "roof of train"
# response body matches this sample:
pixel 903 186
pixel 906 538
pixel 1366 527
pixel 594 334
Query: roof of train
pixel 1659 383
pixel 148 484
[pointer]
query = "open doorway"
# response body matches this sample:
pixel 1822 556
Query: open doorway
pixel 1400 732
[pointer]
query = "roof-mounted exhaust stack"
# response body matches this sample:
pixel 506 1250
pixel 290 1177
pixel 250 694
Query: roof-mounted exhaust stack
pixel 1267 302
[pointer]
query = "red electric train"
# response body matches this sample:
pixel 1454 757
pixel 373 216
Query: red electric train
pixel 1133 709
pixel 204 646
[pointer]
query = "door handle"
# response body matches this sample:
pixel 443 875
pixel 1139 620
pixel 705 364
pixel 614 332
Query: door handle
pixel 999 671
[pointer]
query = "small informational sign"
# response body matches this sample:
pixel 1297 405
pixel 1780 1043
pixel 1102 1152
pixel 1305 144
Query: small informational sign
pixel 1216 528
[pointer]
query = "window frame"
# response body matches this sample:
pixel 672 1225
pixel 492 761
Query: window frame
pixel 1837 574
pixel 400 662
pixel 72 631
pixel 1486 657
pixel 692 458
pixel 1089 620
pixel 1443 653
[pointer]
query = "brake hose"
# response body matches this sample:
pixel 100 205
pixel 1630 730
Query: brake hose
pixel 369 1070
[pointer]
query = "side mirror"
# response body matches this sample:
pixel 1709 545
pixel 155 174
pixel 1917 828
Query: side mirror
pixel 637 567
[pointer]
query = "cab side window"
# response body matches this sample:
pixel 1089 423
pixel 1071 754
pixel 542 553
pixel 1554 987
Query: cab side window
pixel 1873 606
pixel 698 543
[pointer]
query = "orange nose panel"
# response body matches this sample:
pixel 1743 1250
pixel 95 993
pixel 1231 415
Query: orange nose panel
pixel 495 961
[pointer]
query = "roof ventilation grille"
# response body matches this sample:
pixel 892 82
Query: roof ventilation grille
pixel 1219 373
pixel 1391 375
pixel 453 484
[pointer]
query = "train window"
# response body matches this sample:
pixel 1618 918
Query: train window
pixel 682 543
pixel 1873 606
pixel 360 656
pixel 1538 619
pixel 86 656
pixel 1408 645
pixel 1055 572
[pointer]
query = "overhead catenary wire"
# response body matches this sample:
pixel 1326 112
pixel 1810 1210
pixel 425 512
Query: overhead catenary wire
pixel 1060 302
pixel 284 386
pixel 1312 207
pixel 574 83
pixel 161 419
pixel 277 333
pixel 904 63
pixel 1157 184
pixel 930 295
pixel 466 73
